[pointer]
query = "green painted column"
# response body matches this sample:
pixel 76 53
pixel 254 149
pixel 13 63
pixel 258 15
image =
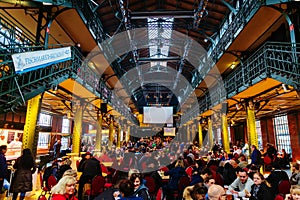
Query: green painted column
pixel 31 130
pixel 99 134
pixel 200 135
pixel 225 137
pixel 251 127
pixel 77 130
pixel 110 134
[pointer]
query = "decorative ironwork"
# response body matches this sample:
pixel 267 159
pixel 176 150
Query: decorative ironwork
pixel 17 88
pixel 273 60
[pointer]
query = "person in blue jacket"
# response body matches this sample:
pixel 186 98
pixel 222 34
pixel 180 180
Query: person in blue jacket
pixel 126 189
pixel 140 190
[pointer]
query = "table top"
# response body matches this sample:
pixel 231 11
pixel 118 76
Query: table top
pixel 107 164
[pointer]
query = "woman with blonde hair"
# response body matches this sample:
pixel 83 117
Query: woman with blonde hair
pixel 294 194
pixel 64 189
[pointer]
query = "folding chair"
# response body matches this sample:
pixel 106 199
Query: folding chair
pixel 47 186
pixel 284 187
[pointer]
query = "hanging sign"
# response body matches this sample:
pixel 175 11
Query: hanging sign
pixel 29 61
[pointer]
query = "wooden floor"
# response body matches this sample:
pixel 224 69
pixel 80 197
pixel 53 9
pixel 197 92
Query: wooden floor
pixel 33 196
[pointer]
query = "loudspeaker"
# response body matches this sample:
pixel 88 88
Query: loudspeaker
pixel 224 108
pixel 103 108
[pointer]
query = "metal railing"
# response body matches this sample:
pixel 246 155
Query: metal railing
pixel 279 61
pixel 16 89
pixel 12 38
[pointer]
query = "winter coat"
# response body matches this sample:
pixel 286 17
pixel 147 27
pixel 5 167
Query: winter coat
pixel 264 192
pixel 142 192
pixel 63 197
pixel 295 178
pixel 22 180
pixel 175 175
pixel 3 166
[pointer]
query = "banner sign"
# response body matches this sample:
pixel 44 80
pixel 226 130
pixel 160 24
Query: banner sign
pixel 29 61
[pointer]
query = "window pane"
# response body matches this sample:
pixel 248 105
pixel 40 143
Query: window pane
pixel 259 136
pixel 281 130
pixel 45 120
pixel 66 125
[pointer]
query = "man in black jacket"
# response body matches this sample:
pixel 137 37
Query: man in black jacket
pixel 90 167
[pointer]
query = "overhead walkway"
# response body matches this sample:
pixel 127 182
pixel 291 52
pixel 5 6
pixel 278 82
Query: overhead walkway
pixel 279 61
pixel 16 89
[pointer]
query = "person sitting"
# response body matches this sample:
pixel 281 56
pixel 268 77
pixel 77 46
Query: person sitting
pixel 241 184
pixel 294 193
pixel 216 192
pixel 140 190
pixel 199 178
pixel 63 166
pixel 295 177
pixel 126 189
pixel 64 189
pixel 260 189
pixel 275 177
pixel 197 191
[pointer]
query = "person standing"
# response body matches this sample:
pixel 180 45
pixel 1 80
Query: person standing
pixel 64 189
pixel 3 165
pixel 90 167
pixel 22 180
pixel 255 156
pixel 56 149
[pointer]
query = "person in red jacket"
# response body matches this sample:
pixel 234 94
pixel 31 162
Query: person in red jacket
pixel 64 189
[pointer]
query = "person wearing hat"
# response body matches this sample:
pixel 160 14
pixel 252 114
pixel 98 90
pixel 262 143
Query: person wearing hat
pixel 90 167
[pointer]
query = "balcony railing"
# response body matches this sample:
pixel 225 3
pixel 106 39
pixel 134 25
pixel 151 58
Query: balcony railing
pixel 279 61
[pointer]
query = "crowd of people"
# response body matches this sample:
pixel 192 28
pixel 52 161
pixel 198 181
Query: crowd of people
pixel 156 169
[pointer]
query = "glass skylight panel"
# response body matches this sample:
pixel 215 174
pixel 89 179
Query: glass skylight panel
pixel 160 31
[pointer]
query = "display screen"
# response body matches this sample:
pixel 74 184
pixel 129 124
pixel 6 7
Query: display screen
pixel 158 115
pixel 169 131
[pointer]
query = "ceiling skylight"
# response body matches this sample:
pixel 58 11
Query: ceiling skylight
pixel 159 30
